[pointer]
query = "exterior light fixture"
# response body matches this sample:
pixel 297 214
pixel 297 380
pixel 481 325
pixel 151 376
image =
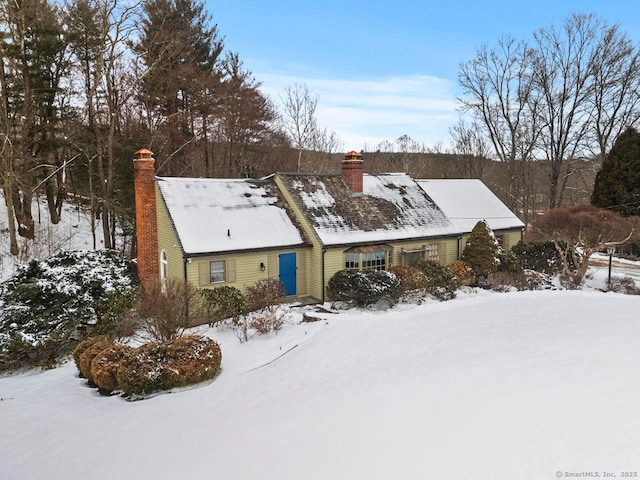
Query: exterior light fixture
pixel 262 267
pixel 611 249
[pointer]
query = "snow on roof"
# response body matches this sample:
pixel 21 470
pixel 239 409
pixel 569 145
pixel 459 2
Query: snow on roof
pixel 392 207
pixel 221 215
pixel 466 201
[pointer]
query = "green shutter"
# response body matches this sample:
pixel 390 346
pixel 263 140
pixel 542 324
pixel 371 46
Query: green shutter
pixel 204 273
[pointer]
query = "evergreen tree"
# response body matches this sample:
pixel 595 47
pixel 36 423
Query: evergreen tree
pixel 617 185
pixel 481 251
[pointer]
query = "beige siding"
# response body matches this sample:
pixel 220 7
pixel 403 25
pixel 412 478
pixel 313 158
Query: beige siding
pixel 168 240
pixel 243 269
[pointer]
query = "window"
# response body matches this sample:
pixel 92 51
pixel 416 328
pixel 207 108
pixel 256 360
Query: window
pixel 432 252
pixel 217 271
pixel 352 261
pixel 164 269
pixel 366 258
pixel 374 261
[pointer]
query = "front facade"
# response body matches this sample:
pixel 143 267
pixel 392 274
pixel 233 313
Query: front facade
pixel 303 228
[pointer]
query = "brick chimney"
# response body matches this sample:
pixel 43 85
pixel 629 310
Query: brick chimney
pixel 146 221
pixel 352 167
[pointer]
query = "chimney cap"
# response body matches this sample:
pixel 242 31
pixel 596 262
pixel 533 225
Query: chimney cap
pixel 353 155
pixel 143 154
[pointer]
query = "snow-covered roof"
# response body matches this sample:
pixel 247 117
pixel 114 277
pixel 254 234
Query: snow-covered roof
pixel 392 207
pixel 465 202
pixel 222 215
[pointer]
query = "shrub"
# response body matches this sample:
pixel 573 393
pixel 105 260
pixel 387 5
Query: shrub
pixel 141 371
pixel 45 302
pixel 83 345
pixel 86 357
pixel 364 288
pixel 481 251
pixel 265 293
pixel 115 319
pixel 441 282
pixel 159 366
pixel 539 256
pixel 462 271
pixel 166 309
pixel 410 278
pixel 526 280
pixel 268 321
pixel 105 365
pixel 191 359
pixel 624 285
pixel 224 302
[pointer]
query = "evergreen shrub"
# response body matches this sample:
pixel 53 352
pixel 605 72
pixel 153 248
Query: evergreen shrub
pixel 441 282
pixel 83 345
pixel 43 306
pixel 105 365
pixel 87 356
pixel 481 251
pixel 364 288
pixel 157 366
pixel 224 302
pixel 541 257
pixel 141 371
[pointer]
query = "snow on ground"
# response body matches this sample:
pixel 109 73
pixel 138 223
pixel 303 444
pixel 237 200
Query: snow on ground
pixel 72 233
pixel 488 386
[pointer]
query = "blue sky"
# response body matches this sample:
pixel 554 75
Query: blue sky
pixel 382 69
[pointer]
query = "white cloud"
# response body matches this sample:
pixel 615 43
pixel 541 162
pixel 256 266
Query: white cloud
pixel 366 111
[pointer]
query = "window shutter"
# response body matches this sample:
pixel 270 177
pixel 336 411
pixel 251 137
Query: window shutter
pixel 301 273
pixel 442 253
pixel 230 273
pixel 204 273
pixel 274 270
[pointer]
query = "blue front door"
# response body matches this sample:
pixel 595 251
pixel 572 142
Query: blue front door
pixel 287 266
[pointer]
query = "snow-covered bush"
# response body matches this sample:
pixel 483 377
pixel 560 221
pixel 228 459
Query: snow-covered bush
pixel 192 359
pixel 539 256
pixel 105 365
pixel 158 366
pixel 87 356
pixel 84 345
pixel 141 371
pixel 481 251
pixel 441 282
pixel 44 303
pixel 525 280
pixel 269 320
pixel 364 288
pixel 626 285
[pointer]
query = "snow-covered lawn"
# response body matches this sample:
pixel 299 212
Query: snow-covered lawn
pixel 488 386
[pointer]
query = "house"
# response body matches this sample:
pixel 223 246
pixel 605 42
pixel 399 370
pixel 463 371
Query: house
pixel 303 228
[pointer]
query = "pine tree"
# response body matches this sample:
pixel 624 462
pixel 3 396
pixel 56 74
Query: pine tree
pixel 617 185
pixel 481 251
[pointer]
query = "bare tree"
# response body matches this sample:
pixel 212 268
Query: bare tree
pixel 470 148
pixel 497 91
pixel 299 118
pixel 579 232
pixel 100 30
